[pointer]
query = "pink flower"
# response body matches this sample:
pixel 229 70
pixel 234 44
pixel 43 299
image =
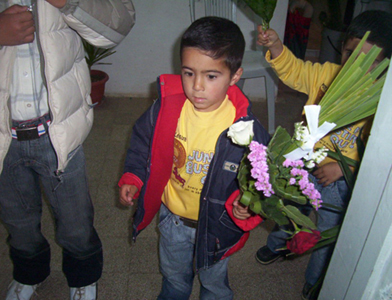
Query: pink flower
pixel 258 161
pixel 316 203
pixel 305 185
pixel 287 163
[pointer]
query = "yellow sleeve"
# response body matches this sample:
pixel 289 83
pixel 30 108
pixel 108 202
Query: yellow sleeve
pixel 303 76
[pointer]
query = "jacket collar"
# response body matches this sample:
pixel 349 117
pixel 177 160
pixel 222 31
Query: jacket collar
pixel 170 85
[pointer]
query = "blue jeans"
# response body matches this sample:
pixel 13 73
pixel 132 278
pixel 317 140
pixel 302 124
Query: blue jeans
pixel 176 255
pixel 27 165
pixel 337 194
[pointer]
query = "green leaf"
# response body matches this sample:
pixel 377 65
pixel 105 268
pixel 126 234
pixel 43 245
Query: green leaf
pixel 95 54
pixel 348 174
pixel 360 146
pixel 348 64
pixel 290 193
pixel 278 144
pixel 263 8
pixel 278 217
pixel 330 233
pixel 331 206
pixel 348 160
pixel 328 237
pixel 355 92
pixel 256 207
pixel 325 242
pixel 243 175
pixel 272 207
pixel 299 218
pixel 246 198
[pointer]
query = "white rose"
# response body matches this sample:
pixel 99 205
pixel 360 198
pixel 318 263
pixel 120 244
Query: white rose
pixel 241 133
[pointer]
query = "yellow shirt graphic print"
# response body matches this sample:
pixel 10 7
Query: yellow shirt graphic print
pixel 194 146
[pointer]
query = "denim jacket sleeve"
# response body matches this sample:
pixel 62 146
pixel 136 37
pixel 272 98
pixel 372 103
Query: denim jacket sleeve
pixel 138 154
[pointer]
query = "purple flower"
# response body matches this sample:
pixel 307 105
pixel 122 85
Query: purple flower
pixel 317 203
pixel 305 186
pixel 287 163
pixel 258 159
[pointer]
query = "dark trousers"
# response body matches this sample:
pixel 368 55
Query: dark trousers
pixel 28 166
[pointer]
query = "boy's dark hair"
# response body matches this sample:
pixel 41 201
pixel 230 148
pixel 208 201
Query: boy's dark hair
pixel 219 37
pixel 379 23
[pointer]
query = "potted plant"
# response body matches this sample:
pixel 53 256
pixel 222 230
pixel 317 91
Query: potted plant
pixel 98 78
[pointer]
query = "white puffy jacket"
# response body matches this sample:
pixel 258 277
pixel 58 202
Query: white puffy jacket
pixel 101 22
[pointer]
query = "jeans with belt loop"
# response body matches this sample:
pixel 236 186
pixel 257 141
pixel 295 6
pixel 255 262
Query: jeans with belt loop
pixel 27 164
pixel 176 257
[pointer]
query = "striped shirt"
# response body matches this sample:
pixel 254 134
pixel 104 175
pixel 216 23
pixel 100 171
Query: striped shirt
pixel 29 98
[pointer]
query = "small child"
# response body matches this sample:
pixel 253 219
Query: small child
pixel 182 163
pixel 314 80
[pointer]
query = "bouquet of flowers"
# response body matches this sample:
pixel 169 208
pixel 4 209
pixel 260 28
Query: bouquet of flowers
pixel 274 179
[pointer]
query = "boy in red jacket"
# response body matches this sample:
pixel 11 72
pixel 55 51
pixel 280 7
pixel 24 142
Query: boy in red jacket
pixel 182 163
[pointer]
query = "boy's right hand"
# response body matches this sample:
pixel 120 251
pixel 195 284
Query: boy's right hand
pixel 328 173
pixel 127 192
pixel 271 40
pixel 16 26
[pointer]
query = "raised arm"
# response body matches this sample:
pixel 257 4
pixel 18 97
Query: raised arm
pixel 271 40
pixel 102 23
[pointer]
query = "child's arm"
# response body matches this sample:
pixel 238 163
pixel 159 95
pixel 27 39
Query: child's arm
pixel 271 40
pixel 127 194
pixel 136 160
pixel 328 173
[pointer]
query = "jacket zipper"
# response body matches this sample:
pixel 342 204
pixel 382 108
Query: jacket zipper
pixel 210 171
pixel 34 8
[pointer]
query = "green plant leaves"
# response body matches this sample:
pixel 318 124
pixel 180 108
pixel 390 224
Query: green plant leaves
pixel 280 144
pixel 263 8
pixel 298 217
pixel 95 54
pixel 355 92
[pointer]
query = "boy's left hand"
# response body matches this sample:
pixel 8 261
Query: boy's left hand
pixel 240 211
pixel 328 173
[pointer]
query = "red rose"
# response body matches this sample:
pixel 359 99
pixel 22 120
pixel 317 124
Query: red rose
pixel 303 241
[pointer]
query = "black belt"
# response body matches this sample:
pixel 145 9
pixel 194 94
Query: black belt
pixel 29 132
pixel 189 222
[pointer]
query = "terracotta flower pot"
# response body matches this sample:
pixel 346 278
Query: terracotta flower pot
pixel 98 81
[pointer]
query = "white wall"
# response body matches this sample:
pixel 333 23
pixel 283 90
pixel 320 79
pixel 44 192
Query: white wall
pixel 361 265
pixel 151 48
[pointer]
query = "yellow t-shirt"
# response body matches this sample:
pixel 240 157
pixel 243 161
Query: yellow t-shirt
pixel 194 147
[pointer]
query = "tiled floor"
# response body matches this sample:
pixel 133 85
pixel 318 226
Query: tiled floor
pixel 131 269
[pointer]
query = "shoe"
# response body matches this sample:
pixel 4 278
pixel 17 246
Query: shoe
pixel 88 292
pixel 19 291
pixel 309 292
pixel 265 256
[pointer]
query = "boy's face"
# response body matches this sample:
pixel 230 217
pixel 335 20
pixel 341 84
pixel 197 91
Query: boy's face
pixel 205 80
pixel 350 46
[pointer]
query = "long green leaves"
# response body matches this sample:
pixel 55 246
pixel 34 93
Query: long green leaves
pixel 355 92
pixel 95 54
pixel 264 9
